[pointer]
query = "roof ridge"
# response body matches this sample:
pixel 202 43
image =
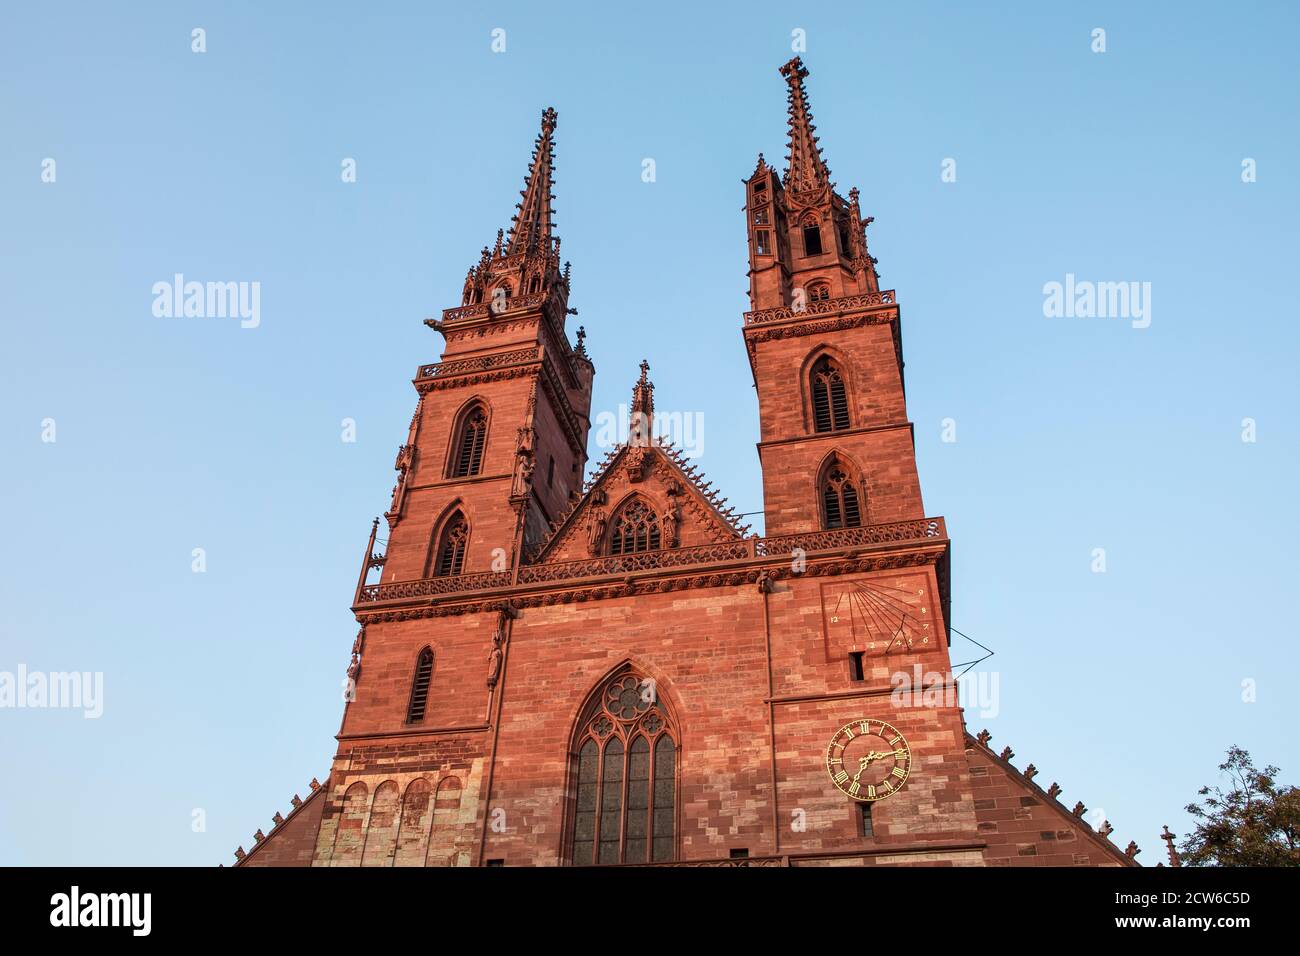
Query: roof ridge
pixel 716 500
pixel 278 821
pixel 558 525
pixel 1026 776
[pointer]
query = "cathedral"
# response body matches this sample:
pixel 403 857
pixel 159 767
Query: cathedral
pixel 552 671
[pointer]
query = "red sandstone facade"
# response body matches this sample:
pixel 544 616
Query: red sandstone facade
pixel 552 672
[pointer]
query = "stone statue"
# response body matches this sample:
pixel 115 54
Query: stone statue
pixel 497 653
pixel 596 530
pixel 524 466
pixel 668 522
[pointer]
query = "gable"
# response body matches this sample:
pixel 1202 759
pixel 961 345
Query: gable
pixel 1024 825
pixel 292 841
pixel 690 513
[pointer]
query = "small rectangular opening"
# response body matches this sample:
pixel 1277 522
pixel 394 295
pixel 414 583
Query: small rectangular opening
pixel 496 862
pixel 864 819
pixel 855 666
pixel 760 243
pixel 812 240
pixel 550 474
pixel 741 853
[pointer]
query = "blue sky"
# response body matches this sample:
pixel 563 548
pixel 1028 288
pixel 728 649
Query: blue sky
pixel 222 688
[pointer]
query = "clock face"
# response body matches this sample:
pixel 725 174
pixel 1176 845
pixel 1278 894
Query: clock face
pixel 868 759
pixel 880 616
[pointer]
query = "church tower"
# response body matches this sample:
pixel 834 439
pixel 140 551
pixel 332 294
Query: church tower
pixel 498 443
pixel 825 348
pixel 494 453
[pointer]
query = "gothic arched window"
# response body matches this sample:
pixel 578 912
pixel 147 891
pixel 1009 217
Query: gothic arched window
pixel 451 549
pixel 467 458
pixel 420 687
pixel 625 762
pixel 635 528
pixel 818 291
pixel 840 505
pixel 830 404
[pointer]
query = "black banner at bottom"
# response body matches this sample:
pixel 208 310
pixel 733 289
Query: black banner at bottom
pixel 342 905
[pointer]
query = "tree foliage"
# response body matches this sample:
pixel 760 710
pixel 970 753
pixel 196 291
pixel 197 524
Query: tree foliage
pixel 1254 823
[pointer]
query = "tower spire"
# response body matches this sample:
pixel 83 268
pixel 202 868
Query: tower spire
pixel 531 226
pixel 641 424
pixel 805 169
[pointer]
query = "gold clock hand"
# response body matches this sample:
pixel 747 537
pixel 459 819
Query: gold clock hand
pixel 862 765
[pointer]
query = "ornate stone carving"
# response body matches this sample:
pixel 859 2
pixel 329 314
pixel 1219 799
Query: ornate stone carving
pixel 1168 837
pixel 464 366
pixel 523 478
pixel 668 526
pixel 834 306
pixel 494 658
pixel 634 464
pixel 405 461
pixel 358 645
pixel 597 522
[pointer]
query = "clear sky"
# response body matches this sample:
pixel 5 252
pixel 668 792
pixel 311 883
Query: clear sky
pixel 222 689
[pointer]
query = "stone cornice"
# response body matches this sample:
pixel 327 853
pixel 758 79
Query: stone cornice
pixel 832 436
pixel 488 591
pixel 875 301
pixel 834 315
pixel 500 366
pixel 805 325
